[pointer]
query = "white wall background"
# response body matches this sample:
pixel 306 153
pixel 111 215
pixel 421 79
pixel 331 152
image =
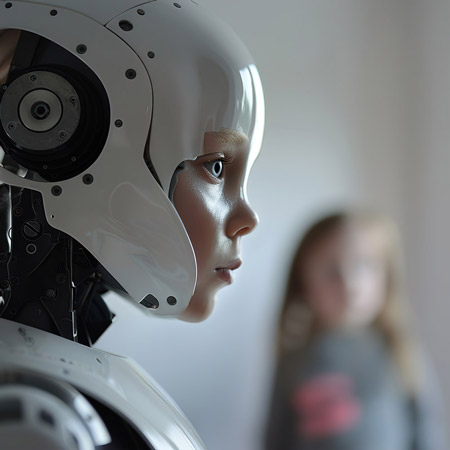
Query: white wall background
pixel 358 112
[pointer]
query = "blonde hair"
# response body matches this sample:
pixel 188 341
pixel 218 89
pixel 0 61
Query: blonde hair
pixel 297 327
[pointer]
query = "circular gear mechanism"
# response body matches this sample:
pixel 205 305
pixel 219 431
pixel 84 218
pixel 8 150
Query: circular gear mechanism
pixel 54 122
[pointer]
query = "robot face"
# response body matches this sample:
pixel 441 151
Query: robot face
pixel 162 77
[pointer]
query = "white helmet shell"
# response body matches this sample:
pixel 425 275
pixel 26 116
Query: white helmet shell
pixel 172 71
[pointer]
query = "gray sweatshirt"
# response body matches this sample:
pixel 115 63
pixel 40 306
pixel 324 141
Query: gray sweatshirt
pixel 345 393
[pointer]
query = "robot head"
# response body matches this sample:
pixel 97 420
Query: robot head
pixel 100 116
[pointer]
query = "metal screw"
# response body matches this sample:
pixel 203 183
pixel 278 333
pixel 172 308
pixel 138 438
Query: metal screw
pixel 40 110
pixel 141 12
pixel 151 54
pixel 45 167
pixel 125 25
pixel 88 179
pixel 14 281
pixel 130 74
pixel 62 135
pixel 31 249
pixel 118 123
pixel 60 278
pixel 8 5
pixel 5 284
pixel 53 12
pixel 177 5
pixel 56 190
pixel 12 126
pixel 50 293
pixel 73 158
pixel 33 77
pixel 81 49
pixel 4 87
pixel 18 212
pixel 32 229
pixel 171 300
pixel 73 99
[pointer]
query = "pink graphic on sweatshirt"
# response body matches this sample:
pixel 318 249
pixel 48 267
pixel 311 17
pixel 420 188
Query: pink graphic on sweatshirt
pixel 326 405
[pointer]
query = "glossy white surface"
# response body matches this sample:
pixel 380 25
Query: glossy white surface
pixel 115 381
pixel 201 79
pixel 124 218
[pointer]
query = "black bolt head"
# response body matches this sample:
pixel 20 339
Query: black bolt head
pixel 56 190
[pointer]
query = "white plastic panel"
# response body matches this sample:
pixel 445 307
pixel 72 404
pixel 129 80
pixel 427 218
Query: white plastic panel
pixel 115 381
pixel 123 218
pixel 203 80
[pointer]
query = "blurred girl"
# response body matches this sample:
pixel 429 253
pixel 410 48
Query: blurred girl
pixel 349 375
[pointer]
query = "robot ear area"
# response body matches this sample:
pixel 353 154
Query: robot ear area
pixel 54 118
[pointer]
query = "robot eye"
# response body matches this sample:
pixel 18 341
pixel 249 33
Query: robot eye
pixel 215 168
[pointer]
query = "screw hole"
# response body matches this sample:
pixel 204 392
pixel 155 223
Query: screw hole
pixel 53 12
pixel 151 54
pixel 118 123
pixel 31 249
pixel 88 179
pixel 56 190
pixel 171 300
pixel 81 49
pixel 62 135
pixel 125 25
pixel 60 278
pixel 8 5
pixel 177 5
pixel 141 12
pixel 130 74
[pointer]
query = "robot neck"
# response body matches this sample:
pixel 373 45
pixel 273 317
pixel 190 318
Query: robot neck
pixel 47 279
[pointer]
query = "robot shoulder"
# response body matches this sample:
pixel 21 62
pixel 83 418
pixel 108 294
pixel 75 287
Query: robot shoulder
pixel 108 398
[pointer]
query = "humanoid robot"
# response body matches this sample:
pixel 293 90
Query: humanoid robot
pixel 103 104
